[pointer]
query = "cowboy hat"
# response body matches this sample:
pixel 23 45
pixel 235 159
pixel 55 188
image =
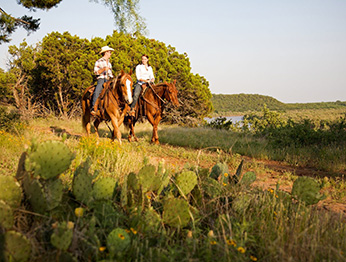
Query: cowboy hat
pixel 105 49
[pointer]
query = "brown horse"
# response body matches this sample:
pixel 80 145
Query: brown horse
pixel 113 104
pixel 151 105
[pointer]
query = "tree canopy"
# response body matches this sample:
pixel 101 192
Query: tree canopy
pixel 57 71
pixel 126 16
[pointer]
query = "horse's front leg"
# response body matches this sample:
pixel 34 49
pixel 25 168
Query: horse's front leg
pixel 155 122
pixel 116 130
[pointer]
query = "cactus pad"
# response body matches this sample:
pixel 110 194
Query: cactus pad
pixel 176 212
pixel 48 159
pixel 103 188
pixel 186 181
pixel 6 215
pixel 18 247
pixel 10 191
pixel 248 178
pixel 307 190
pixel 35 194
pixel 148 179
pixel 211 187
pixel 118 240
pixel 62 236
pixel 218 169
pixel 82 182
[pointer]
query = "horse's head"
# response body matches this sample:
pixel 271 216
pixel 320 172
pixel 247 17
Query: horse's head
pixel 125 86
pixel 171 93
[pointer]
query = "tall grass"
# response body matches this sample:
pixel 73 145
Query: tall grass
pixel 242 224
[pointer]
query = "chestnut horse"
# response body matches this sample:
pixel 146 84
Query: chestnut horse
pixel 151 104
pixel 113 104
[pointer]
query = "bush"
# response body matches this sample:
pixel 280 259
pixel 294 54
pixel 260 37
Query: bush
pixel 10 120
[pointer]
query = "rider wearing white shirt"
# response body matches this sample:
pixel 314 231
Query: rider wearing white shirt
pixel 144 74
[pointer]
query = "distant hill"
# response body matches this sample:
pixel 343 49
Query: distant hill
pixel 254 102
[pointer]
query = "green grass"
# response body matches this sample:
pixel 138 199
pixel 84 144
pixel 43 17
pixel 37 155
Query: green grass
pixel 243 224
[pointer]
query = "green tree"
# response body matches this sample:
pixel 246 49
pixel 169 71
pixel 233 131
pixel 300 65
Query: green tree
pixel 64 68
pixel 126 16
pixel 21 65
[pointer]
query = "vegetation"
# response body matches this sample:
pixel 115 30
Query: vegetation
pixel 53 75
pixel 103 201
pixel 244 103
pixel 126 17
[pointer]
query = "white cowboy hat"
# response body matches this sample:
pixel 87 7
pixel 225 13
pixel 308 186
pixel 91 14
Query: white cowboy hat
pixel 105 49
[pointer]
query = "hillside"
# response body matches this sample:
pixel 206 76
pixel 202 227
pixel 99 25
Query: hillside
pixel 255 102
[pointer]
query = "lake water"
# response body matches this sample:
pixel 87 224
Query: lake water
pixel 234 119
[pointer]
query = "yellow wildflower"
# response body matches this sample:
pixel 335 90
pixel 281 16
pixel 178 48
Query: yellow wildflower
pixel 241 250
pixel 231 242
pixel 189 234
pixel 224 184
pixel 225 174
pixel 127 231
pixel 253 258
pixel 213 242
pixel 148 195
pixel 102 249
pixel 121 236
pixel 133 231
pixel 211 233
pixel 70 225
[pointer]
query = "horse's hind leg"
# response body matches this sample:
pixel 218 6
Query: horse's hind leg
pixel 96 125
pixel 86 124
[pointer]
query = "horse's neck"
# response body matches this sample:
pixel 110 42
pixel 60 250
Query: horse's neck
pixel 159 89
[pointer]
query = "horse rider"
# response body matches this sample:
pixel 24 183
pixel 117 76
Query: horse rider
pixel 144 74
pixel 103 71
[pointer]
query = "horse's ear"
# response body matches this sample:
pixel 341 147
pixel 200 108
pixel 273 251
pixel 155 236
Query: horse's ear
pixel 130 72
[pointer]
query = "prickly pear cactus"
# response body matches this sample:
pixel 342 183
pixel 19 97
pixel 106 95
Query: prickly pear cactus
pixel 53 189
pixel 17 247
pixel 132 182
pixel 150 221
pixel 186 181
pixel 62 235
pixel 103 188
pixel 176 212
pixel 218 169
pixel 248 178
pixel 43 197
pixel 118 240
pixel 6 215
pixel 48 159
pixel 11 191
pixel 82 182
pixel 148 179
pixel 35 194
pixel 211 187
pixel 307 190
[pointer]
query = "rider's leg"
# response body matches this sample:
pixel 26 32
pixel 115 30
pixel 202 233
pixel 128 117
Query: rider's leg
pixel 97 92
pixel 137 91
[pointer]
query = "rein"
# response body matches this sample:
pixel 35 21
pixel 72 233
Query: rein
pixel 146 100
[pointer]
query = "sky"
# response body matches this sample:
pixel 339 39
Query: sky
pixel 292 50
